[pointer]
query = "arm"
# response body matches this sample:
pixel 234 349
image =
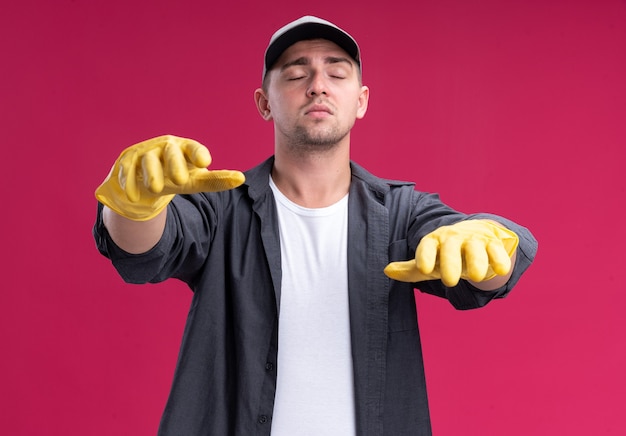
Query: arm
pixel 470 295
pixel 143 181
pixel 480 251
pixel 134 237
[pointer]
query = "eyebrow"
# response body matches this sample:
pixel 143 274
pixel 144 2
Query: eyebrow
pixel 305 61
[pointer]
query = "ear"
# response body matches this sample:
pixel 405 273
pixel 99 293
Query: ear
pixel 262 104
pixel 363 101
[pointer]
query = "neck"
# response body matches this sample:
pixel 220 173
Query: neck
pixel 313 179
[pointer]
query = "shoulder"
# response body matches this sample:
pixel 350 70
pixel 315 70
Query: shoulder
pixel 376 183
pixel 397 197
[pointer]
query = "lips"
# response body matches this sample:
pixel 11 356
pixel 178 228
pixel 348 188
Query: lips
pixel 318 108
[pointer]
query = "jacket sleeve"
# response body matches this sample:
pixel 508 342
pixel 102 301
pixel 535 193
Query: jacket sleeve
pixel 428 213
pixel 181 250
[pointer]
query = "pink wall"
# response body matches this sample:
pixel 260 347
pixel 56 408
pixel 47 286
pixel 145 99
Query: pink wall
pixel 517 108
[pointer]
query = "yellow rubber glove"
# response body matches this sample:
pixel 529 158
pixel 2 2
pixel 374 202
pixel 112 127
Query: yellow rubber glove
pixel 474 250
pixel 147 175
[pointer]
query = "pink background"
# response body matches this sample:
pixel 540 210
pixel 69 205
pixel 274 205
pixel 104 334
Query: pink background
pixel 512 107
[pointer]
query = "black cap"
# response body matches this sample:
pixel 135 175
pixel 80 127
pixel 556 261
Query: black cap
pixel 308 27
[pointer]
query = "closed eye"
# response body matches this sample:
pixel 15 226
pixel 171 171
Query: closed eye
pixel 338 73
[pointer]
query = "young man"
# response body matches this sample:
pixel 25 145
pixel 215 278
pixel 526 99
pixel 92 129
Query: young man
pixel 303 319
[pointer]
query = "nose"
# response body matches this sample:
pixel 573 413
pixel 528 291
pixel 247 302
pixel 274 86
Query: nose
pixel 317 86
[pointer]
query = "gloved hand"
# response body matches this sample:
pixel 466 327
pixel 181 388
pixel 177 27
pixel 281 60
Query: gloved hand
pixel 147 175
pixel 474 250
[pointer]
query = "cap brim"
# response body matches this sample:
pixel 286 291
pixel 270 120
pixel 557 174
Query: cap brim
pixel 307 31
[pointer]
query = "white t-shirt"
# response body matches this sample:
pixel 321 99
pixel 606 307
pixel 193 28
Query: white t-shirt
pixel 315 386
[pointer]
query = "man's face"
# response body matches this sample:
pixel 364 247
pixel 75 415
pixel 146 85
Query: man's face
pixel 314 95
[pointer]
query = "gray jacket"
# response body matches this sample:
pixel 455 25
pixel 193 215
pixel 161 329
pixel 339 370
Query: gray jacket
pixel 226 247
